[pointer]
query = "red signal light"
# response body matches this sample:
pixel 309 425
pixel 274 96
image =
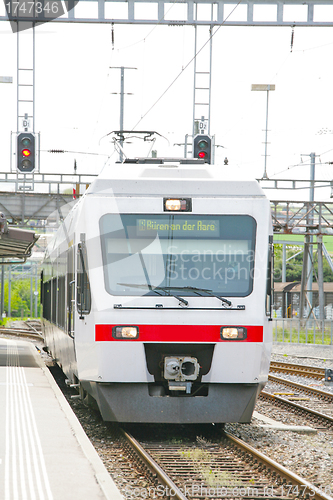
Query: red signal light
pixel 26 152
pixel 202 147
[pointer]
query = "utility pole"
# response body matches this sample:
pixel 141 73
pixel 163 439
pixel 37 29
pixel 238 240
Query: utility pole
pixel 122 94
pixel 307 271
pixel 310 256
pixel 321 296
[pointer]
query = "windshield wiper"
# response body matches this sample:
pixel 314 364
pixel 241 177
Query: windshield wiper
pixel 167 289
pixel 155 289
pixel 209 292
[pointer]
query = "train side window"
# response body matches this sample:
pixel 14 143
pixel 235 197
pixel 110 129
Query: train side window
pixel 54 299
pixel 41 287
pixel 83 296
pixel 47 300
pixel 270 281
pixel 61 302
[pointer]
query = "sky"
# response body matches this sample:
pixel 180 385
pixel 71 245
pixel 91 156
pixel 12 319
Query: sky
pixel 78 83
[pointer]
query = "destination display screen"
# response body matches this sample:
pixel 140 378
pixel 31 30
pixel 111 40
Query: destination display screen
pixel 189 227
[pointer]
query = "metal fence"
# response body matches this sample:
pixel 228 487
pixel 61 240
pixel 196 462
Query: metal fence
pixel 300 331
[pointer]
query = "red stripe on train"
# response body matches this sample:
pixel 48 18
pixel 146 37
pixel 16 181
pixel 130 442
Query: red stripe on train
pixel 177 333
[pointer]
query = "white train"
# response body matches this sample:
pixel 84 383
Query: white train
pixel 156 293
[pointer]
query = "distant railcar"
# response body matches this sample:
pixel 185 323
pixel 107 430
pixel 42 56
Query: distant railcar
pixel 156 293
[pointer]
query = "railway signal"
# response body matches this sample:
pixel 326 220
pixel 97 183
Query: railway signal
pixel 202 147
pixel 26 155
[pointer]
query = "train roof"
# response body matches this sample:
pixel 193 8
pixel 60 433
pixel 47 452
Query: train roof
pixel 173 178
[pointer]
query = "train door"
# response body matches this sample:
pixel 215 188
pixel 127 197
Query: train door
pixel 70 293
pixel 83 295
pixel 270 279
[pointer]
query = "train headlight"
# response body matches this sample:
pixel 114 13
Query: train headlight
pixel 233 333
pixel 177 204
pixel 125 332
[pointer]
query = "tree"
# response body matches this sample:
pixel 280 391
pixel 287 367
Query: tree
pixel 20 298
pixel 294 266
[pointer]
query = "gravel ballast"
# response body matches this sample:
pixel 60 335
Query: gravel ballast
pixel 308 455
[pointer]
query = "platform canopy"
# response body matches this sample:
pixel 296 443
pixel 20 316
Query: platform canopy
pixel 15 244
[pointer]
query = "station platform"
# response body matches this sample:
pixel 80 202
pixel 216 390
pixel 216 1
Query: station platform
pixel 44 452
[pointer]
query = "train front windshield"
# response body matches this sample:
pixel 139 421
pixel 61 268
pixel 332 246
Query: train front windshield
pixel 160 254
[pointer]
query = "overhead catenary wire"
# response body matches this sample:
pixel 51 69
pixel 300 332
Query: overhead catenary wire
pixel 301 165
pixel 290 167
pixel 150 32
pixel 73 152
pixel 282 65
pixel 132 45
pixel 186 66
pixel 304 164
pixel 325 153
pixel 314 48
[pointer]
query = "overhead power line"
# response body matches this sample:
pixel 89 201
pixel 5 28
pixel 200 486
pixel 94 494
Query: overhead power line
pixel 186 66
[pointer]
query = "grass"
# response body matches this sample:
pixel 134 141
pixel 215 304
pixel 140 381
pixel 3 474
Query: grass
pixel 202 460
pixel 6 321
pixel 302 335
pixel 328 240
pixel 214 478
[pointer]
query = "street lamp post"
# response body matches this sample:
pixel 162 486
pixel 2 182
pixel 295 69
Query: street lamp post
pixel 265 88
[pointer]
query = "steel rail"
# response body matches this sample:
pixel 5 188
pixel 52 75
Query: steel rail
pixel 21 332
pixel 29 324
pixel 307 489
pixel 163 478
pixel 296 480
pixel 304 388
pixel 272 398
pixel 294 369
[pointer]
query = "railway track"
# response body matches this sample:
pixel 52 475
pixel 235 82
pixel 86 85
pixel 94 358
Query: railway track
pixel 300 370
pixel 222 469
pixel 30 331
pixel 301 388
pixel 318 418
pixel 226 468
pixel 316 404
pixel 161 463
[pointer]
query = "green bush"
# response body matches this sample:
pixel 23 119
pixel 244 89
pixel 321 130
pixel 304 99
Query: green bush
pixel 20 299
